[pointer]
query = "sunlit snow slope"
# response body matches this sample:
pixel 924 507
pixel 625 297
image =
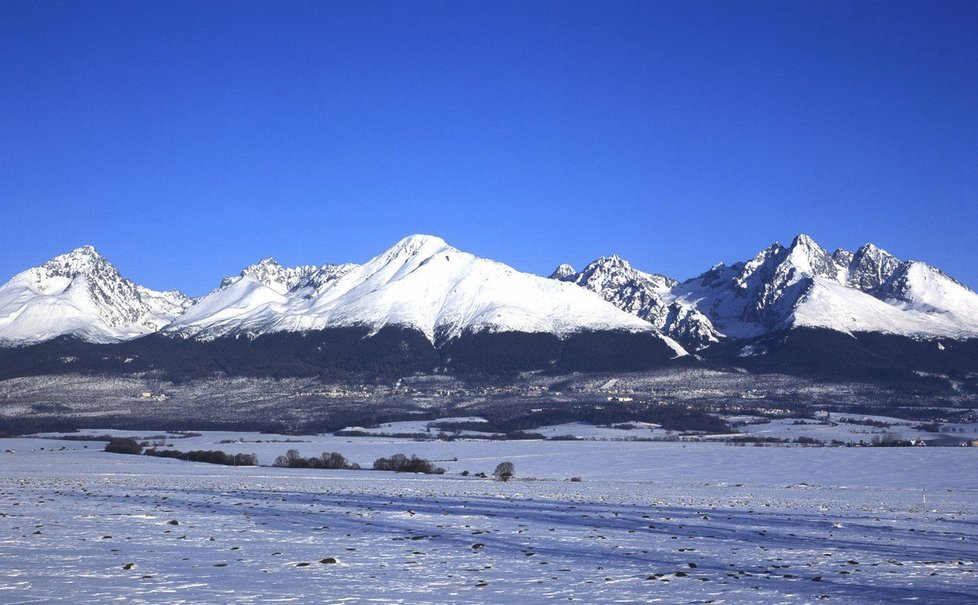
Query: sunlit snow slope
pixel 82 294
pixel 800 285
pixel 420 283
pixel 423 284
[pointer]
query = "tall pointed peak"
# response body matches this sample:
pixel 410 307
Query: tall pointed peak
pixel 806 246
pixel 80 261
pixel 614 261
pixel 870 267
pixel 87 251
pixel 418 245
pixel 803 240
pixel 807 257
pixel 772 254
pixel 265 263
pixel 607 266
pixel 872 250
pixel 564 272
pixel 843 257
pixel 772 250
pixel 619 270
pixel 418 241
pixel 264 270
pixel 269 272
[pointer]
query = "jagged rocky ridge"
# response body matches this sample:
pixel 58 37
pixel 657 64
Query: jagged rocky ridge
pixel 418 296
pixel 646 295
pixel 425 306
pixel 783 288
pixel 421 283
pixel 80 293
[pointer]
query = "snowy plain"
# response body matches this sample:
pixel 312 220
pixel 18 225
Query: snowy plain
pixel 647 522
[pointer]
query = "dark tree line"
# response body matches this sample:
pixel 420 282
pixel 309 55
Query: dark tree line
pixel 128 445
pixel 208 456
pixel 327 460
pixel 399 463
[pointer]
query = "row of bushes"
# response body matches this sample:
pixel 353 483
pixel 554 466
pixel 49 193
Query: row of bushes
pixel 399 463
pixel 327 460
pixel 123 445
pixel 292 459
pixel 208 456
pixel 128 445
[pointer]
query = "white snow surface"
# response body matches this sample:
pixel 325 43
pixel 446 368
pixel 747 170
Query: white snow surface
pixel 81 294
pixel 828 304
pixel 414 427
pixel 422 283
pixel 648 522
pixel 836 430
pixel 425 284
pixel 646 295
pixel 803 285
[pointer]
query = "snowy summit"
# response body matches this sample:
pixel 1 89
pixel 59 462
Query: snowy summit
pixel 421 282
pixel 81 294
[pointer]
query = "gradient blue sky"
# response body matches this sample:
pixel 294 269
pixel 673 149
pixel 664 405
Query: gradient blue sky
pixel 186 140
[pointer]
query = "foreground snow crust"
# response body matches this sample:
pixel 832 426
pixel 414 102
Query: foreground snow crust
pixel 648 522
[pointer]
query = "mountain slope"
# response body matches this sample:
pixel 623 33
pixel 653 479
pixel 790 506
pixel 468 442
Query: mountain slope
pixel 420 283
pixel 781 288
pixel 81 294
pixel 802 285
pixel 648 296
pixel 442 295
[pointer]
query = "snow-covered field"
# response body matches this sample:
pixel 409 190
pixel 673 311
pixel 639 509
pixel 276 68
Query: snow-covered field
pixel 648 522
pixel 579 430
pixel 837 430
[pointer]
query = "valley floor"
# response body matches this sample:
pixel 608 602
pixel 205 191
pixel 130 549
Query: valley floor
pixel 647 522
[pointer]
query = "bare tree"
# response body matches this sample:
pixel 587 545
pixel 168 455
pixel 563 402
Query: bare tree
pixel 504 471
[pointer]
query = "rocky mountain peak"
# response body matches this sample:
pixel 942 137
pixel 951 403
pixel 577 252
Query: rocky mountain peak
pixel 418 245
pixel 84 260
pixel 808 258
pixel 870 268
pixel 82 293
pixel 564 272
pixel 272 274
pixel 646 295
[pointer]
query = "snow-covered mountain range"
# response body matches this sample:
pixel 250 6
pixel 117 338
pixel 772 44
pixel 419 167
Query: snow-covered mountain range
pixel 801 285
pixel 647 295
pixel 420 283
pixel 81 294
pixel 423 284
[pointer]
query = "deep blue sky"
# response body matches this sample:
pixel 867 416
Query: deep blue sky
pixel 187 139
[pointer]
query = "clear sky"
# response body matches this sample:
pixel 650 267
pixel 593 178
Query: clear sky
pixel 188 139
